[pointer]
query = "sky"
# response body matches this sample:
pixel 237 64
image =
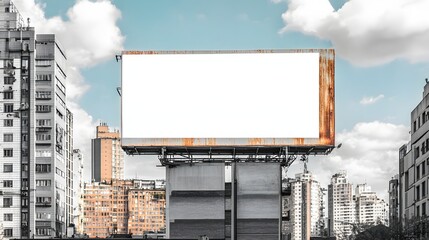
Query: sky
pixel 382 60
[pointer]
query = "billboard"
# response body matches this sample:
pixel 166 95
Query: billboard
pixel 255 98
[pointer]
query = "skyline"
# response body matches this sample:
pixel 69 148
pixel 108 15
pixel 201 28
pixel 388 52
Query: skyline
pixel 373 102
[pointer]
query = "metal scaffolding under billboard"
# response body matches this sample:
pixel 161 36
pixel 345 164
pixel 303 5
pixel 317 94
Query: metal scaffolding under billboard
pixel 228 103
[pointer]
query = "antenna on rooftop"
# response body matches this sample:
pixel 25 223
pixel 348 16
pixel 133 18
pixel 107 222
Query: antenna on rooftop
pixel 28 22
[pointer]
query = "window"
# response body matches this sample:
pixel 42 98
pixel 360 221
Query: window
pixel 43 153
pixel 43 95
pixel 8 152
pixel 43 200
pixel 418 172
pixel 9 80
pixel 43 231
pixel 8 95
pixel 418 211
pixel 423 189
pixel 8 122
pixel 7 202
pixel 423 169
pixel 43 122
pixel 418 193
pixel 42 215
pixel 43 183
pixel 43 108
pixel 7 183
pixel 8 232
pixel 414 126
pixel 43 137
pixel 43 168
pixel 8 107
pixel 60 114
pixel 43 63
pixel 424 209
pixel 7 167
pixel 8 217
pixel 8 137
pixel 43 77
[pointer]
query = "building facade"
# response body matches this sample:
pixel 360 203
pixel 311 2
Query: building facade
pixel 17 138
pixel 78 162
pixel 306 207
pixel 107 155
pixel 123 207
pixel 341 209
pixel 370 209
pixel 413 167
pixel 51 136
pixel 394 201
pixel 36 132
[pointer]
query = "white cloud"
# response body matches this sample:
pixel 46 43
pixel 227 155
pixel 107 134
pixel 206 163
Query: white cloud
pixel 371 100
pixel 277 1
pixel 369 153
pixel 89 36
pixel 365 32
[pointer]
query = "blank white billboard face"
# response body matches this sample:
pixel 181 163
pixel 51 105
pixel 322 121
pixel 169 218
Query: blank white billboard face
pixel 224 95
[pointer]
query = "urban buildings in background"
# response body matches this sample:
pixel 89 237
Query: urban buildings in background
pixel 107 155
pixel 394 200
pixel 347 209
pixel 303 207
pixel 413 170
pixel 124 207
pixel 36 142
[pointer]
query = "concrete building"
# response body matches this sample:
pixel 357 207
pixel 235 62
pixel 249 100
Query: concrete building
pixel 394 200
pixel 370 209
pixel 17 138
pixel 107 155
pixel 348 209
pixel 70 176
pixel 52 121
pixel 306 207
pixel 413 165
pixel 36 131
pixel 341 209
pixel 122 207
pixel 78 162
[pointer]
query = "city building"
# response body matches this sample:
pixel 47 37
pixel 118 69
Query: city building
pixel 36 130
pixel 341 208
pixel 78 190
pixel 306 207
pixel 52 121
pixel 413 167
pixel 70 176
pixel 123 207
pixel 394 200
pixel 17 138
pixel 348 209
pixel 107 155
pixel 370 209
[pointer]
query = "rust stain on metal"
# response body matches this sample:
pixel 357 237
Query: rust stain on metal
pixel 299 141
pixel 255 141
pixel 188 142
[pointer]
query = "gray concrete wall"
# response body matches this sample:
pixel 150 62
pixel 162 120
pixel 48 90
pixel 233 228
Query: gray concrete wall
pixel 195 201
pixel 258 200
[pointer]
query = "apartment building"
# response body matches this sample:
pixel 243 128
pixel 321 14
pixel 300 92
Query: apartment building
pixel 341 209
pixel 78 162
pixel 413 166
pixel 107 155
pixel 17 138
pixel 370 209
pixel 394 200
pixel 123 207
pixel 53 130
pixel 306 207
pixel 37 128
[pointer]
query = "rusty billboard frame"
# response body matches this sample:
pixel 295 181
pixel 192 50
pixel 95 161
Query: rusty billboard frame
pixel 251 146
